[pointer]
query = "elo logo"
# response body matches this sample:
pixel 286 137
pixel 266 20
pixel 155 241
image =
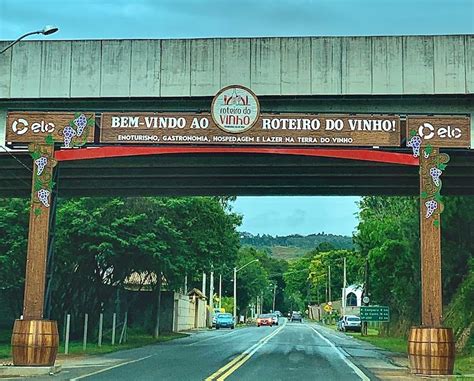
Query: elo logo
pixel 20 126
pixel 427 132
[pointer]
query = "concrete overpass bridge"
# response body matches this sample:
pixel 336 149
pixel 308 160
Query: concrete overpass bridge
pixel 403 75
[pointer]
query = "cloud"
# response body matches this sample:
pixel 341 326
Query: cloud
pixel 219 18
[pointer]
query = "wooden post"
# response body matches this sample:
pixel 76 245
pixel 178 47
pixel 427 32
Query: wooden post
pixel 66 341
pixel 124 328
pixel 430 236
pixel 84 339
pixel 35 341
pixel 431 347
pixel 114 322
pixel 33 303
pixel 101 322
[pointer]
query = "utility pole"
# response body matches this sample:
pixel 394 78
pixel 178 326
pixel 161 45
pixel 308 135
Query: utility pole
pixel 329 283
pixel 185 285
pixel 235 295
pixel 365 293
pixel 211 290
pixel 344 286
pixel 203 288
pixel 274 296
pixel 220 291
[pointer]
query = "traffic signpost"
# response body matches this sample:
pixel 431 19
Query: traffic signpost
pixel 375 313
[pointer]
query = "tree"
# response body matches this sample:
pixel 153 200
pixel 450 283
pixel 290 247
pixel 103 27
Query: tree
pixel 14 214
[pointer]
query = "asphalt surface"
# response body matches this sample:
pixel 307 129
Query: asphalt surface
pixel 290 351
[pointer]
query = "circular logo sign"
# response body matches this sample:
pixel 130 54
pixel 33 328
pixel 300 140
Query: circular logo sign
pixel 235 109
pixel 366 299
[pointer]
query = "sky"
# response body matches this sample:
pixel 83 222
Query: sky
pixel 103 19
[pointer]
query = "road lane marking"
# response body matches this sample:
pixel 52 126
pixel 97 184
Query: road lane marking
pixel 238 361
pixel 342 356
pixel 110 368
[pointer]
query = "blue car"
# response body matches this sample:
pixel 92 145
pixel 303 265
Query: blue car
pixel 225 320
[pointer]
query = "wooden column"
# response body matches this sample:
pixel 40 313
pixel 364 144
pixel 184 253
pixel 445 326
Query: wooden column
pixel 432 163
pixel 43 159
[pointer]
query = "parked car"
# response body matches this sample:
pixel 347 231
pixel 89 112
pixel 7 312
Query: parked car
pixel 225 320
pixel 278 313
pixel 264 319
pixel 274 318
pixel 216 312
pixel 349 323
pixel 296 316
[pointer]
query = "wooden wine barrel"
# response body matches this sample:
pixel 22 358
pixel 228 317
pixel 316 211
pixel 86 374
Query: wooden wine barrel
pixel 431 351
pixel 35 342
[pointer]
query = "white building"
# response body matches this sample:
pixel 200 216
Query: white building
pixel 352 295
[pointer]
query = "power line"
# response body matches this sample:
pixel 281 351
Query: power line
pixel 15 158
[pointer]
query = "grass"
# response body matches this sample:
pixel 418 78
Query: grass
pixel 136 338
pixel 287 252
pixel 464 364
pixel 392 344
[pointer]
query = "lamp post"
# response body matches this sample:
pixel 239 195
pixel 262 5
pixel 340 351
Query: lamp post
pixel 47 30
pixel 236 270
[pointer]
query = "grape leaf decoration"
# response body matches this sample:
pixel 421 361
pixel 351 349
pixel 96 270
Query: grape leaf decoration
pixel 427 151
pixel 49 140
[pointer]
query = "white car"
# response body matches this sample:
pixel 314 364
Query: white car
pixel 350 323
pixel 274 319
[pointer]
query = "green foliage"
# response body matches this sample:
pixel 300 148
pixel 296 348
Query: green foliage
pixel 388 236
pixel 14 216
pixel 252 280
pixel 296 245
pixel 99 242
pixel 460 312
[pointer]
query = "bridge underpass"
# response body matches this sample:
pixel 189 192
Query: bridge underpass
pixel 239 174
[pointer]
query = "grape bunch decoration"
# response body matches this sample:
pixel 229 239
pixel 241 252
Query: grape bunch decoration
pixel 435 173
pixel 431 206
pixel 415 144
pixel 68 133
pixel 43 196
pixel 81 123
pixel 41 165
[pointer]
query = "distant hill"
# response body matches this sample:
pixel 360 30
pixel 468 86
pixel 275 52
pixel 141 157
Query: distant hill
pixel 295 245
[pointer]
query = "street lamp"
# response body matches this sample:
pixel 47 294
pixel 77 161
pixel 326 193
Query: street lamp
pixel 236 270
pixel 47 30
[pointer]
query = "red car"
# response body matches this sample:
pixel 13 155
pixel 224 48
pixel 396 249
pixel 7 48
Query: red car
pixel 265 319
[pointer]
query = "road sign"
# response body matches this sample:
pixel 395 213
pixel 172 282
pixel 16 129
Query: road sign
pixel 374 313
pixel 366 299
pixel 327 308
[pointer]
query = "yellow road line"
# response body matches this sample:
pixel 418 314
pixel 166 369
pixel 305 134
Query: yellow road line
pixel 225 367
pixel 237 362
pixel 234 368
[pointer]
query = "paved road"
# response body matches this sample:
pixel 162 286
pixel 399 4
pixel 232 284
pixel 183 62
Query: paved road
pixel 290 351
